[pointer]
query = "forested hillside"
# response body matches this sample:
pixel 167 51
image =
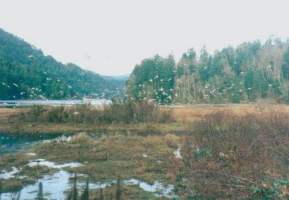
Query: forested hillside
pixel 26 73
pixel 252 71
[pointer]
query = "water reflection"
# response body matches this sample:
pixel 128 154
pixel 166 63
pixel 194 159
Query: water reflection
pixel 57 186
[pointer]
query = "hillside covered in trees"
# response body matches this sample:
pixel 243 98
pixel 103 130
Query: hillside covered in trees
pixel 26 73
pixel 253 71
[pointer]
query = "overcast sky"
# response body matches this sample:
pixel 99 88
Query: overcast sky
pixel 111 36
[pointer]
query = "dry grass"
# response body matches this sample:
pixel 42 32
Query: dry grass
pixel 5 113
pixel 117 112
pixel 182 116
pixel 184 113
pixel 196 112
pixel 231 153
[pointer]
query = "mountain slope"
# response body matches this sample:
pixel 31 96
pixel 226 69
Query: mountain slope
pixel 26 73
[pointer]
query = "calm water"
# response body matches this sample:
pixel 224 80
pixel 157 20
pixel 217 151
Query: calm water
pixel 23 103
pixel 57 186
pixel 12 143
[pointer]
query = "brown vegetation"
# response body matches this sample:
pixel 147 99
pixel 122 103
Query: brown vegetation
pixel 229 152
pixel 191 113
pixel 233 156
pixel 125 113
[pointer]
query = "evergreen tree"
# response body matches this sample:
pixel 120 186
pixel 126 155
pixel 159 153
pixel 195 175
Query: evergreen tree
pixel 285 65
pixel 153 78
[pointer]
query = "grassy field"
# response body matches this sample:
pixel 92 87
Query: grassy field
pixel 190 113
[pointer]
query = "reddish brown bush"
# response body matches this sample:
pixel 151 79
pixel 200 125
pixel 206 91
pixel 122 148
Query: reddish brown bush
pixel 227 155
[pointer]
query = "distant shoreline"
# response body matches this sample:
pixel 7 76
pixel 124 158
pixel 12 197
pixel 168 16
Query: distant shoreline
pixel 27 103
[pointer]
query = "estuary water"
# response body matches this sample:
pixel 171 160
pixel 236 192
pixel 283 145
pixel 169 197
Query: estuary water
pixel 25 103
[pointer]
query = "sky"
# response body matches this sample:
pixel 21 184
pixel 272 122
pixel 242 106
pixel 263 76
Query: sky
pixel 111 36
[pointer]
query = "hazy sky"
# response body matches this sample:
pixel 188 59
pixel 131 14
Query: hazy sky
pixel 111 36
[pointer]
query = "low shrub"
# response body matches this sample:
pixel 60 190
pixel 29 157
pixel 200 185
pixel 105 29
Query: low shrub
pixel 117 112
pixel 227 155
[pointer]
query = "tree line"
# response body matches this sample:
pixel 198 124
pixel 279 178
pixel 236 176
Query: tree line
pixel 249 72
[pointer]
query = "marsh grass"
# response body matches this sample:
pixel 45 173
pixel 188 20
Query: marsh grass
pixel 230 156
pixel 127 193
pixel 118 112
pixel 225 154
pixel 115 156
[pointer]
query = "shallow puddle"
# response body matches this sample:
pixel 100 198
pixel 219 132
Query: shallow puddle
pixel 157 188
pixel 49 164
pixel 54 187
pixel 5 175
pixel 57 185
